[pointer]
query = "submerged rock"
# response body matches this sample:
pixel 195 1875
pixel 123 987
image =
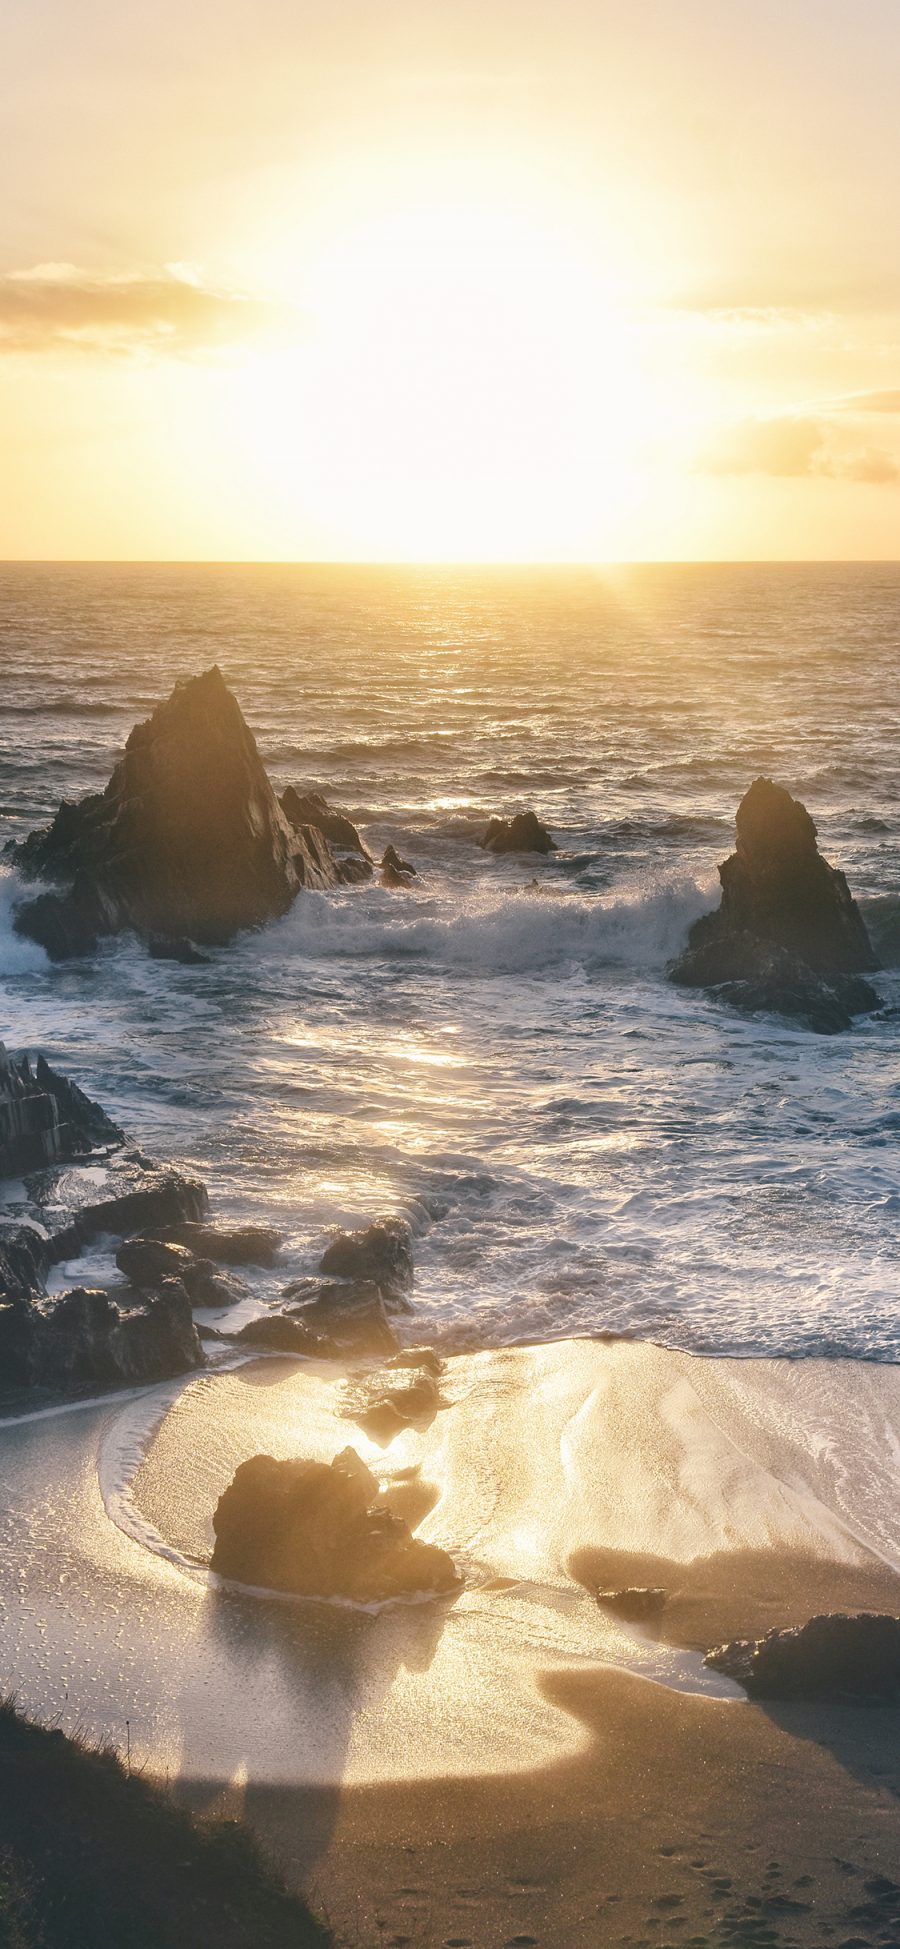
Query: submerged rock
pixel 788 937
pixel 834 1656
pixel 145 1261
pixel 382 1253
pixel 386 1403
pixel 280 1333
pixel 312 809
pixel 635 1603
pixel 521 834
pixel 82 1338
pixel 44 1118
pixel 316 1529
pixel 187 843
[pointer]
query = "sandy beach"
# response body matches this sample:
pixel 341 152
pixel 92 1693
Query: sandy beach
pixel 516 1764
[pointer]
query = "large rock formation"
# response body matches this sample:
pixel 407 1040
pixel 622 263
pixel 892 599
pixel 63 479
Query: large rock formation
pixel 788 936
pixel 317 1529
pixel 834 1656
pixel 43 1117
pixel 521 834
pixel 336 825
pixel 187 843
pixel 85 1337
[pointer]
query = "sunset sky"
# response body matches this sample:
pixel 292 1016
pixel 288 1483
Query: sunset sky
pixel 381 280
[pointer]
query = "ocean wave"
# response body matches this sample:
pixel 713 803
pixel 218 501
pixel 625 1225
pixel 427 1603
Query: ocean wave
pixel 518 931
pixel 17 956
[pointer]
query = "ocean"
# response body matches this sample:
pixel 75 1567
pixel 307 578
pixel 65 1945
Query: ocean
pixel 497 1053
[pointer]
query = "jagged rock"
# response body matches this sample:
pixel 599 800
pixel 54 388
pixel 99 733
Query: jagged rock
pixel 634 1603
pixel 279 1333
pixel 352 872
pixel 151 1199
pixel 83 1339
pixel 316 1529
pixel 44 1117
pixel 424 1357
pixel 234 1245
pixel 395 872
pixel 147 1260
pixel 353 1316
pixel 521 834
pixel 25 1260
pixel 788 936
pixel 313 809
pixel 834 1656
pixel 383 1253
pixel 187 842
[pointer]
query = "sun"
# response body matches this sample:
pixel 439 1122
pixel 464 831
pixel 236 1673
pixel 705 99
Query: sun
pixel 469 384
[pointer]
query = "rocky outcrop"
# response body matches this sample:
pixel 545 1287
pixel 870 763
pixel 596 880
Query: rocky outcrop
pixel 636 1603
pixel 317 1530
pixel 280 1333
pixel 521 834
pixel 382 1253
pixel 831 1657
pixel 312 809
pixel 387 1402
pixel 788 937
pixel 227 1245
pixel 187 843
pixel 82 1338
pixel 44 1118
pixel 147 1261
pixel 351 1315
pixel 395 872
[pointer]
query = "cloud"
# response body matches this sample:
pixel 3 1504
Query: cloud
pixel 58 307
pixel 789 447
pixel 874 402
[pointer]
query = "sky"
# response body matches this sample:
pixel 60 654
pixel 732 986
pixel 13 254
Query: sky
pixel 374 280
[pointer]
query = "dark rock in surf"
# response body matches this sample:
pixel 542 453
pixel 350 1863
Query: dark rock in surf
pixel 352 1315
pixel 395 872
pixel 226 1245
pixel 386 1403
pixel 382 1253
pixel 178 950
pixel 279 1333
pixel 424 1357
pixel 832 1657
pixel 317 1530
pixel 521 834
pixel 44 1118
pixel 187 842
pixel 82 1338
pixel 145 1261
pixel 635 1604
pixel 788 937
pixel 312 809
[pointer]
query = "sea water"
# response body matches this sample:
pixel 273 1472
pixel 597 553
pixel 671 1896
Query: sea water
pixel 496 1051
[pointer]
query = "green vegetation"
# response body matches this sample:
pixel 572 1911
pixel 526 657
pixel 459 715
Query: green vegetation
pixel 92 1857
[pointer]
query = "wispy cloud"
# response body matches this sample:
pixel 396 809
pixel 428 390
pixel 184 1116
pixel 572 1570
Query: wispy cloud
pixel 872 402
pixel 55 307
pixel 791 447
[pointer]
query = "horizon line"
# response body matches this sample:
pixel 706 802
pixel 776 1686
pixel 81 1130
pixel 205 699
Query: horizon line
pixel 438 562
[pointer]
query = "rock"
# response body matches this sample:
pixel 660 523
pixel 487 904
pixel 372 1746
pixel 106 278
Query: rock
pixel 235 1245
pixel 424 1357
pixel 313 809
pixel 832 1657
pixel 396 872
pixel 521 834
pixel 44 1117
pixel 153 1198
pixel 280 1334
pixel 353 1316
pixel 187 842
pixel 316 1529
pixel 386 1403
pixel 634 1603
pixel 177 950
pixel 352 872
pixel 146 1260
pixel 383 1253
pixel 24 1261
pixel 788 937
pixel 83 1339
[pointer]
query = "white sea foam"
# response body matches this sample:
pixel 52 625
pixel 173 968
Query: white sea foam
pixel 17 955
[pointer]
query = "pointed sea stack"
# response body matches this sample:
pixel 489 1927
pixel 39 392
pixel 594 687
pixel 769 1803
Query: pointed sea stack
pixel 788 937
pixel 188 841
